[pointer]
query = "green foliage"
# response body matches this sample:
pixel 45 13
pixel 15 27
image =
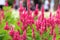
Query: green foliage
pixel 10 2
pixel 4 35
pixel 6 8
pixel 37 36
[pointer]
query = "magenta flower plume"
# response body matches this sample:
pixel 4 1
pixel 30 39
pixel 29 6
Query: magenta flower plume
pixel 58 16
pixel 51 31
pixel 24 27
pixel 54 36
pixel 43 27
pixel 38 24
pixel 18 23
pixel 36 10
pixel 33 33
pixel 42 12
pixel 6 26
pixel 24 36
pixel 11 33
pixel 21 8
pixel 23 17
pixel 50 15
pixel 16 36
pixel 6 4
pixel 28 4
pixel 2 15
pixel 30 20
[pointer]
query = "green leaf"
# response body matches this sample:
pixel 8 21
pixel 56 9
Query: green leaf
pixel 38 36
pixel 29 38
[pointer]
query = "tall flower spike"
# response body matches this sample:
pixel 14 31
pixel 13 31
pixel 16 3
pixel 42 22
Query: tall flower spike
pixel 42 12
pixel 54 36
pixel 18 23
pixel 21 7
pixel 28 4
pixel 36 10
pixel 16 36
pixel 2 14
pixel 6 4
pixel 33 34
pixel 50 15
pixel 6 26
pixel 24 35
pixel 11 33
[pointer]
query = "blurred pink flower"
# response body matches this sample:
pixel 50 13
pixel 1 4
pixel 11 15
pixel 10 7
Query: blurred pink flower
pixel 42 12
pixel 11 33
pixel 24 35
pixel 30 20
pixel 33 33
pixel 16 36
pixel 18 23
pixel 38 24
pixel 6 4
pixel 21 8
pixel 6 26
pixel 54 36
pixel 36 10
pixel 23 27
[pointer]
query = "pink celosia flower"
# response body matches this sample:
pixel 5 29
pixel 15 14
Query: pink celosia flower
pixel 16 36
pixel 38 24
pixel 2 15
pixel 30 20
pixel 36 10
pixel 42 12
pixel 11 33
pixel 28 4
pixel 33 33
pixel 58 16
pixel 24 36
pixel 24 27
pixel 18 23
pixel 43 27
pixel 51 32
pixel 6 26
pixel 23 17
pixel 6 4
pixel 21 8
pixel 54 36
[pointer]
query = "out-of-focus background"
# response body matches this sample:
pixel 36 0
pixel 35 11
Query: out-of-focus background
pixel 48 4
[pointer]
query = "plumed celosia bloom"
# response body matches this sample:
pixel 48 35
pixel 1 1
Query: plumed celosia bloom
pixel 38 24
pixel 24 27
pixel 36 10
pixel 16 36
pixel 33 34
pixel 6 4
pixel 18 23
pixel 24 35
pixel 6 26
pixel 30 20
pixel 21 8
pixel 11 33
pixel 42 12
pixel 58 16
pixel 42 29
pixel 28 4
pixel 1 15
pixel 23 17
pixel 50 22
pixel 54 36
